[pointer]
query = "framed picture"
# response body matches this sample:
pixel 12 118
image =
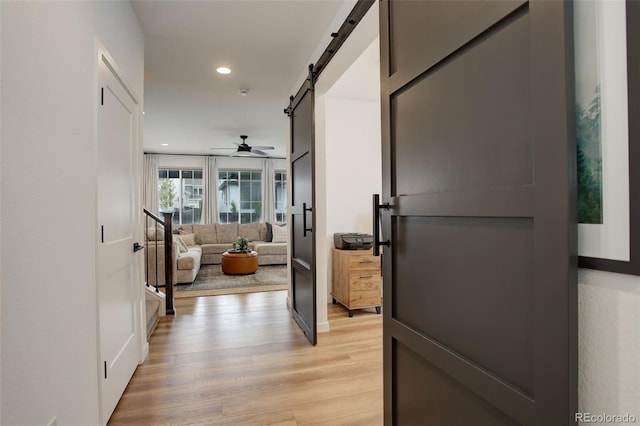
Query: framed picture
pixel 607 95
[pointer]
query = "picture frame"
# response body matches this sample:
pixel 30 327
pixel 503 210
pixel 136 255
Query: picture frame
pixel 614 243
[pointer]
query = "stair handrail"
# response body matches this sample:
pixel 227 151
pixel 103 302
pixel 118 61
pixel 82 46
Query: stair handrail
pixel 168 261
pixel 166 223
pixel 153 215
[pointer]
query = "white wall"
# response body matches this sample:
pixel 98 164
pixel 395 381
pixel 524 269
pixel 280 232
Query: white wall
pixel 354 170
pixel 344 11
pixel 48 204
pixel 185 161
pixel 323 274
pixel 609 343
pixel 181 161
pixel 0 223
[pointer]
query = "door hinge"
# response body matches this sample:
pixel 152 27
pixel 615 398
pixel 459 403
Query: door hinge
pixel 105 369
pixel 102 233
pixel 102 96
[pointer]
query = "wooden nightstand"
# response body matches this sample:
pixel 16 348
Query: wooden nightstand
pixel 356 279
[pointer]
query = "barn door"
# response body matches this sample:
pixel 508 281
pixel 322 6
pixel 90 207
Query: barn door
pixel 478 171
pixel 302 226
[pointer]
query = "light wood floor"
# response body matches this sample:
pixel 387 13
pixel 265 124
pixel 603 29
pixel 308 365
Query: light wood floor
pixel 242 360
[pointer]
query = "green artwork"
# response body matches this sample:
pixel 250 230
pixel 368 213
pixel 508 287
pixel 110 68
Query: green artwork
pixel 589 144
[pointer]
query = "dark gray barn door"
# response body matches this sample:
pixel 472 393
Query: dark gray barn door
pixel 478 158
pixel 302 207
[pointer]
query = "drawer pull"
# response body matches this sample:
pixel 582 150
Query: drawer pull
pixel 366 276
pixel 366 261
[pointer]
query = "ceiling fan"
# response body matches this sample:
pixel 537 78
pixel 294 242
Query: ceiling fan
pixel 244 149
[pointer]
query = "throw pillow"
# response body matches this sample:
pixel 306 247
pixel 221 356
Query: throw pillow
pixel 186 229
pixel 181 245
pixel 226 232
pixel 262 230
pixel 152 235
pixel 250 231
pixel 189 239
pixel 269 236
pixel 205 234
pixel 279 234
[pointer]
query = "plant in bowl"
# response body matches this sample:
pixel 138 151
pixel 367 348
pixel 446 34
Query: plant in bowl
pixel 241 244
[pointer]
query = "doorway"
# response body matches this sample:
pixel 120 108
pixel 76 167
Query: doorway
pixel 348 147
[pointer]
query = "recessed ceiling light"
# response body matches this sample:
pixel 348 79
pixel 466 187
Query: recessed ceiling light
pixel 223 70
pixel 164 144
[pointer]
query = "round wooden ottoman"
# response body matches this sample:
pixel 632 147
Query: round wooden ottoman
pixel 239 263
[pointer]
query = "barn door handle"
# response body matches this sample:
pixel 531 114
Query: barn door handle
pixel 376 224
pixel 304 219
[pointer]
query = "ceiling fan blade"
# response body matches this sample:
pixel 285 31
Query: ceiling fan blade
pixel 257 151
pixel 233 154
pixel 262 147
pixel 222 148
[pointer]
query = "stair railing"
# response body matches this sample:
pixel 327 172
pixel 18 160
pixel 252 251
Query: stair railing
pixel 152 244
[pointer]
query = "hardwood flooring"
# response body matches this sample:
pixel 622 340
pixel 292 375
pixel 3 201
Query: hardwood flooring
pixel 242 360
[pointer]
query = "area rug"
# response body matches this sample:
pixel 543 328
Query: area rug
pixel 212 282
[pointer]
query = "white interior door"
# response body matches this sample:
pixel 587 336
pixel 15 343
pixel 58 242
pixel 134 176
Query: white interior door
pixel 117 267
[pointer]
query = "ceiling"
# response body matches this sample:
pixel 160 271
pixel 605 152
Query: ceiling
pixel 268 44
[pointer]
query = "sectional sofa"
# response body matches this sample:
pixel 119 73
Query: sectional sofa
pixel 196 245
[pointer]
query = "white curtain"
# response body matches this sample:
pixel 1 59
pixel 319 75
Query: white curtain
pixel 210 199
pixel 150 182
pixel 268 192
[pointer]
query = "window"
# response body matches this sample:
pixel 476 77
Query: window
pixel 240 196
pixel 281 196
pixel 180 192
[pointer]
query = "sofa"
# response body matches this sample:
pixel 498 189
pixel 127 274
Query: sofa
pixel 197 244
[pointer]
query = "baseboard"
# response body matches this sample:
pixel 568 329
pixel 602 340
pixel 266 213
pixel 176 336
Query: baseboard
pixel 145 352
pixel 323 327
pixel 150 293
